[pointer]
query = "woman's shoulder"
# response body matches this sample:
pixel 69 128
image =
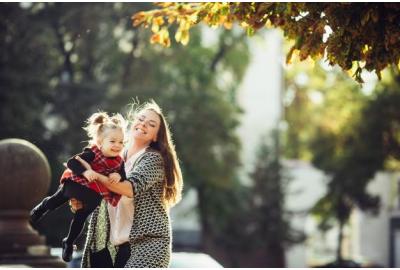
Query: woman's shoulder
pixel 151 153
pixel 150 160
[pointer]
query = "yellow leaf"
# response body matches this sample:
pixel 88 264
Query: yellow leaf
pixel 138 18
pixel 178 35
pixel 158 20
pixel 155 28
pixel 244 24
pixel 167 42
pixel 164 33
pixel 185 37
pixel 155 38
pixel 365 49
pixel 228 25
pixel 171 19
pixel 215 8
pixel 165 4
pixel 184 24
pixel 193 18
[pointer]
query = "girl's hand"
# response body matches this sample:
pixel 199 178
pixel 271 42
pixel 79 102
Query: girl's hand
pixel 83 162
pixel 75 205
pixel 114 178
pixel 89 174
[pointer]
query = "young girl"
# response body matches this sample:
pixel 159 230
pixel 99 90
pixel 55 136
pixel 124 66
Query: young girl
pixel 107 138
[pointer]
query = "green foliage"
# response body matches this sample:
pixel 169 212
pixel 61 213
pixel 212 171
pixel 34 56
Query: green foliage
pixel 359 154
pixel 252 218
pixel 349 135
pixel 270 180
pixel 310 105
pixel 87 57
pixel 60 62
pixel 23 80
pixel 355 36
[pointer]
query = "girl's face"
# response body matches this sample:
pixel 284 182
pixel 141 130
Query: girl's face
pixel 112 143
pixel 145 126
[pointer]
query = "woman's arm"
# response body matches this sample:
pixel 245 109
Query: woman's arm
pixel 148 172
pixel 122 188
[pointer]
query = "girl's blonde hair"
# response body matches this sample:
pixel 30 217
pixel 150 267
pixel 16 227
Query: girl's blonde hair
pixel 173 182
pixel 100 123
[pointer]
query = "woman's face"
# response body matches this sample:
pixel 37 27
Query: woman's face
pixel 145 126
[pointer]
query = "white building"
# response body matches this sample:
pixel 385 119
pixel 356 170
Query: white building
pixel 366 238
pixel 260 95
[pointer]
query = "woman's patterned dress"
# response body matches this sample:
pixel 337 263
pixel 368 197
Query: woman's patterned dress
pixel 150 235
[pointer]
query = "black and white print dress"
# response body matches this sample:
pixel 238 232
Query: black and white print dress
pixel 150 235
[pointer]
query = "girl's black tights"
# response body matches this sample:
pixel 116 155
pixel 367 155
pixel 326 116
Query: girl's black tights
pixel 68 190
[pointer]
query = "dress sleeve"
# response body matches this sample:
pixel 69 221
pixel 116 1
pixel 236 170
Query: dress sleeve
pixel 75 166
pixel 122 171
pixel 147 172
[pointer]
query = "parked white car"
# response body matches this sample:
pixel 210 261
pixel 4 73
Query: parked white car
pixel 178 259
pixel 193 260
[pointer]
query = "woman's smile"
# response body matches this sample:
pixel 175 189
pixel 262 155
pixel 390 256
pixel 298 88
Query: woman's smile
pixel 141 131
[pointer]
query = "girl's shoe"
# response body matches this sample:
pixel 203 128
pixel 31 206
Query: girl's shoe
pixel 38 212
pixel 67 250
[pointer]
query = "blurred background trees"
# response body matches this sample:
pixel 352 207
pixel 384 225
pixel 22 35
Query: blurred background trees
pixel 347 130
pixel 60 62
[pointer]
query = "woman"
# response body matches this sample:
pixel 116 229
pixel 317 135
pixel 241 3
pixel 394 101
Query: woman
pixel 137 232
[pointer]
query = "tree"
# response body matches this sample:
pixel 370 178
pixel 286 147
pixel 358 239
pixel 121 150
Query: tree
pixel 350 134
pixel 52 80
pixel 253 230
pixel 271 231
pixel 353 158
pixel 86 57
pixel 23 80
pixel 309 103
pixel 355 36
pixel 320 122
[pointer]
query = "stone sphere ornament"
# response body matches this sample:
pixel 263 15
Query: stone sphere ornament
pixel 24 180
pixel 25 174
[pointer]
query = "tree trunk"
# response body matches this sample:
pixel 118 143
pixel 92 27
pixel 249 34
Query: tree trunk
pixel 340 240
pixel 205 227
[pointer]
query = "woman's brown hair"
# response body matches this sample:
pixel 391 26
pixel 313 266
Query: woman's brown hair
pixel 173 182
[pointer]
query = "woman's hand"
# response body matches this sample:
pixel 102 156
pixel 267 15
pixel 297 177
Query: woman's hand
pixel 90 175
pixel 122 188
pixel 75 205
pixel 114 178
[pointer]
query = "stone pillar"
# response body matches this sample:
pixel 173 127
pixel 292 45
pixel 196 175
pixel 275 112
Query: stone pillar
pixel 24 181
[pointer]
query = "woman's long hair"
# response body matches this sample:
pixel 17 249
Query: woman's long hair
pixel 173 182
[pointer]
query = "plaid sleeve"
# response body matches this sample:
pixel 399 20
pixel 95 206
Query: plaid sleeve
pixel 122 171
pixel 75 166
pixel 147 172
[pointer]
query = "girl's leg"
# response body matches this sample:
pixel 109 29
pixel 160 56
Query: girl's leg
pixel 75 230
pixel 90 200
pixel 123 254
pixel 76 226
pixel 48 204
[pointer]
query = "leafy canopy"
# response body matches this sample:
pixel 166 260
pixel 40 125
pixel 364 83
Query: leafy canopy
pixel 81 58
pixel 355 36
